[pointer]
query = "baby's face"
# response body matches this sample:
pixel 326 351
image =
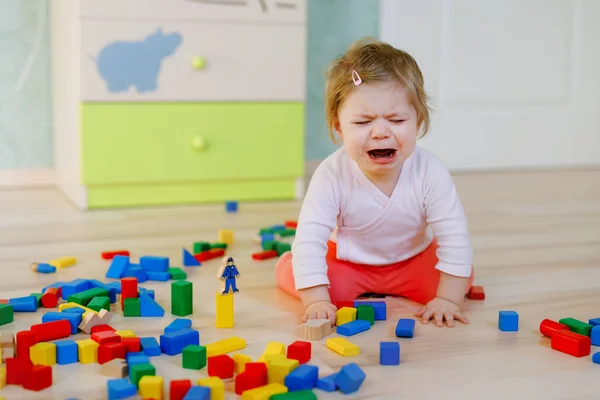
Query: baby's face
pixel 378 128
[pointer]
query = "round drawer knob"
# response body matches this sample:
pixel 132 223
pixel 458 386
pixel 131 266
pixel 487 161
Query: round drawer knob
pixel 198 143
pixel 199 63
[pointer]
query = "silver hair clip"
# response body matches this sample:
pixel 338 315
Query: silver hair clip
pixel 356 78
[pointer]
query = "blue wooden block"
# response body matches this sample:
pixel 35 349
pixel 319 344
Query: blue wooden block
pixel 189 260
pixel 389 353
pixel 178 324
pixel 117 267
pixel 596 358
pixel 75 286
pixel 74 310
pixel 379 307
pixel 74 319
pixel 150 346
pixel 595 335
pixel 142 359
pixel 116 285
pixel 174 342
pixel 405 328
pixel 136 271
pixel 594 321
pixel 45 268
pixel 350 378
pixel 149 292
pixel 266 237
pixel 112 292
pixel 136 354
pixel 158 276
pixel 231 206
pixel 120 389
pixel 155 263
pixel 149 307
pixel 198 393
pixel 353 327
pixel 303 377
pixel 278 227
pixel 327 383
pixel 53 285
pixel 24 304
pixel 66 352
pixel 508 321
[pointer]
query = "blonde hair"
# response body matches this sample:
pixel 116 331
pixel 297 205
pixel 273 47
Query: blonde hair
pixel 375 61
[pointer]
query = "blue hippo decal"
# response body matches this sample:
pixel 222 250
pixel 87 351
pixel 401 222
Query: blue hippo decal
pixel 125 63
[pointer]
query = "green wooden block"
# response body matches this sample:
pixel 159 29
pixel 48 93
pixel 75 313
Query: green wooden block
pixel 177 273
pixel 365 313
pixel 137 371
pixel 266 230
pixel 270 245
pixel 7 314
pixel 577 326
pixel 298 395
pixel 287 232
pixel 98 303
pixel 132 307
pixel 218 245
pixel 39 298
pixel 199 247
pixel 181 298
pixel 194 357
pixel 83 298
pixel 282 248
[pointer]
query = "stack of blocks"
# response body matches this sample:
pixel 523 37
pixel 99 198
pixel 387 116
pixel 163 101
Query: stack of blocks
pixel 153 268
pixel 205 251
pixel 270 240
pixel 138 303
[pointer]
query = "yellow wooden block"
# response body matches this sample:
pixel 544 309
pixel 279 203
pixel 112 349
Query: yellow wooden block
pixel 240 361
pixel 264 392
pixel 225 346
pixel 64 306
pixel 126 334
pixel 63 262
pixel 224 314
pixel 345 315
pixel 87 350
pixel 43 353
pixel 216 385
pixel 2 377
pixel 152 387
pixel 278 367
pixel 272 348
pixel 343 346
pixel 226 236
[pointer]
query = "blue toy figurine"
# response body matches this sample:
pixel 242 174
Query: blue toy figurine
pixel 229 274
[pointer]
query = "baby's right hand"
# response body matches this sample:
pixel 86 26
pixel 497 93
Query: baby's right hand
pixel 320 310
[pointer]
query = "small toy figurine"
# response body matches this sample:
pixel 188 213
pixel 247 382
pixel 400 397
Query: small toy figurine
pixel 228 273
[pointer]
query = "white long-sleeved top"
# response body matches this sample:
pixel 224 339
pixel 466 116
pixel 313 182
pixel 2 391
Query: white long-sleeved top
pixel 342 204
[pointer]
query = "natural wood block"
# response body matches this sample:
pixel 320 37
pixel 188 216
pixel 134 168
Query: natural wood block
pixel 316 329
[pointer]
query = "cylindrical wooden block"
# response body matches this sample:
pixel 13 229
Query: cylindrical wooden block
pixel 129 289
pixel 548 327
pixel 25 339
pixel 50 297
pixel 52 330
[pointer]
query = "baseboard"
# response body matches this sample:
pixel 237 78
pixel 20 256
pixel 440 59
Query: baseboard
pixel 25 178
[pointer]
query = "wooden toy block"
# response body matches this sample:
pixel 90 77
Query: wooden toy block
pixel 52 330
pixel 255 375
pixel 174 342
pixel 39 377
pixel 353 328
pixel 105 337
pixel 240 361
pixel 43 354
pixel 405 328
pixel 218 245
pixel 302 378
pixel 272 348
pixel 595 335
pixel 265 255
pixel 379 307
pixel 316 329
pixel 508 321
pixel 350 378
pixel 194 357
pixel 66 352
pixel 63 262
pixel 117 267
pixel 137 371
pixel 89 321
pixel 327 383
pixel 221 366
pixel 344 303
pixel 99 302
pixel 178 388
pixel 389 353
pixel 287 232
pixel 16 369
pixel 199 247
pixel 2 377
pixel 577 326
pixel 594 321
pixel 177 273
pixel 102 328
pixel 365 313
pixel 132 344
pixel 282 248
pixel 548 327
pixel 231 207
pixel 152 387
pixel 87 351
pixel 269 244
pixel 112 290
pixel 291 224
pixel 343 347
pixel 135 357
pixel 73 320
pixel 43 268
pixel 300 350
pixel 181 298
pixel 132 307
pixel 38 296
pixel 596 358
pixel 149 307
pixel 476 293
pixel 7 339
pixel 224 310
pixel 345 315
pixel 50 297
pixel 225 346
pixel 64 306
pixel 216 385
pixel 109 255
pixel 120 388
pixel 264 392
pixel 571 343
pixel 110 351
pixel 126 334
pixel 299 395
pixel 116 368
pixel 209 254
pixel 178 324
pixel 155 263
pixel 24 341
pixel 278 367
pixel 160 276
pixel 226 236
pixel 83 298
pixel 198 393
pixel 24 304
pixel 129 289
pixel 188 259
pixel 6 352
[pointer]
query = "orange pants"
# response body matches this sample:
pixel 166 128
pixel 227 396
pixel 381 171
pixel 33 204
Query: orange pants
pixel 415 278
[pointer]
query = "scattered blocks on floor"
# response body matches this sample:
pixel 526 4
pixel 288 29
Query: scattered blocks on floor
pixel 508 321
pixel 353 328
pixel 345 315
pixel 194 357
pixel 174 342
pixel 216 385
pixel 343 347
pixel 300 350
pixel 379 307
pixel 178 324
pixel 152 387
pixel 405 328
pixel 303 377
pixel 225 346
pixel 571 343
pixel 577 326
pixel 389 353
pixel 350 378
pixel 178 388
pixel 120 389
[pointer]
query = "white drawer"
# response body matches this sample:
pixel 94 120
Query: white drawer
pixel 130 61
pixel 284 11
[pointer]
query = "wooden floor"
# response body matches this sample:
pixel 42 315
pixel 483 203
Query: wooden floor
pixel 537 251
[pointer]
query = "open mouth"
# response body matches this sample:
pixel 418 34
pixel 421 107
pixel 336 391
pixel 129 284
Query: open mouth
pixel 382 154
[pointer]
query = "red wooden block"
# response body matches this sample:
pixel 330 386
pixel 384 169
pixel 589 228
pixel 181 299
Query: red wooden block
pixel 476 293
pixel 571 343
pixel 255 375
pixel 344 303
pixel 51 330
pixel 129 290
pixel 132 344
pixel 221 366
pixel 209 254
pixel 179 388
pixel 106 337
pixel 548 327
pixel 102 328
pixel 256 368
pixel 291 224
pixel 16 369
pixel 25 339
pixel 264 255
pixel 38 378
pixel 110 351
pixel 3 301
pixel 50 297
pixel 109 255
pixel 299 350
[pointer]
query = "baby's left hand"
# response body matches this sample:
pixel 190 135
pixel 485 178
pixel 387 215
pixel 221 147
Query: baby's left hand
pixel 440 310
